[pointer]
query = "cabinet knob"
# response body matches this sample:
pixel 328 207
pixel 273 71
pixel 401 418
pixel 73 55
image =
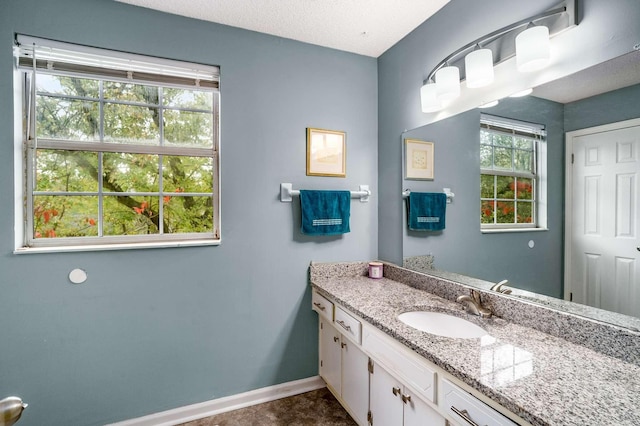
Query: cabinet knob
pixel 335 339
pixel 343 345
pixel 406 398
pixel 396 391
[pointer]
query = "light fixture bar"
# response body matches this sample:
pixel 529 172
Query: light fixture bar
pixel 569 7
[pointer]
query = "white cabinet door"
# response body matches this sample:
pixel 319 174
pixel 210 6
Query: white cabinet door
pixel 330 356
pixel 355 380
pixel 419 413
pixel 384 397
pixel 394 404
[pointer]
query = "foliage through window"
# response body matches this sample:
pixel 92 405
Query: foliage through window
pixel 115 155
pixel 509 173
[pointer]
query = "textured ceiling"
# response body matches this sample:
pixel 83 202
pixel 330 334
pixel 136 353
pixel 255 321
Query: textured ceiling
pixel 366 27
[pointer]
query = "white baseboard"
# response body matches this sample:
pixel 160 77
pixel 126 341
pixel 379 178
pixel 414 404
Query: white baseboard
pixel 222 405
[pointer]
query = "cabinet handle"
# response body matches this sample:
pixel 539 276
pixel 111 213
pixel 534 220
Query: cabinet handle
pixel 322 308
pixel 335 339
pixel 406 398
pixel 465 415
pixel 343 325
pixel 396 391
pixel 343 345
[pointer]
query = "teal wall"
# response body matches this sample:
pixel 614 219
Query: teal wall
pixel 157 329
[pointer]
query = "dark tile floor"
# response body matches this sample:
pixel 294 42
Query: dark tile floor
pixel 317 407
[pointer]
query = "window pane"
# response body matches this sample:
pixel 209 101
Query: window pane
pixel 187 174
pixel 130 172
pixel 523 160
pixel 505 212
pixel 115 90
pixel 130 215
pixel 525 212
pixel 188 128
pixel 188 214
pixel 486 212
pixel 65 216
pixel 190 99
pixel 502 140
pixel 67 119
pixel 524 189
pixel 503 159
pixel 523 143
pixel 66 171
pixel 71 86
pixel 486 157
pixel 487 186
pixel 485 137
pixel 505 187
pixel 131 124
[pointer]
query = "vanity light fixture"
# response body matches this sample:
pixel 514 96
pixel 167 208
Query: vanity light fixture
pixel 429 98
pixel 533 48
pixel 521 93
pixel 475 60
pixel 489 104
pixel 479 67
pixel 447 83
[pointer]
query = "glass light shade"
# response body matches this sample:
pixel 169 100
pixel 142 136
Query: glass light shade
pixel 448 83
pixel 479 68
pixel 489 104
pixel 521 93
pixel 429 98
pixel 533 49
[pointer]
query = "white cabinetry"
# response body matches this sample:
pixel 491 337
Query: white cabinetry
pixel 465 409
pixel 382 382
pixel 393 403
pixel 344 367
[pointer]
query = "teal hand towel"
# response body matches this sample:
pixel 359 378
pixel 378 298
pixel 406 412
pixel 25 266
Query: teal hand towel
pixel 325 212
pixel 426 211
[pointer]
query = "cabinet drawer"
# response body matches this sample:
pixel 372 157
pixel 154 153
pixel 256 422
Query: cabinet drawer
pixel 322 305
pixel 348 325
pixel 402 363
pixel 459 403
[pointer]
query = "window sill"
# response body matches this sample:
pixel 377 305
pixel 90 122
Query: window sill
pixel 509 230
pixel 121 246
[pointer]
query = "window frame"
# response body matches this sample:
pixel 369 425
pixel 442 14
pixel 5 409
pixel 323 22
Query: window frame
pixel 26 145
pixel 537 134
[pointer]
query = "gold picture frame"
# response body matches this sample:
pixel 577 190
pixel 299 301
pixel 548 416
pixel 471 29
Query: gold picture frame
pixel 419 156
pixel 326 153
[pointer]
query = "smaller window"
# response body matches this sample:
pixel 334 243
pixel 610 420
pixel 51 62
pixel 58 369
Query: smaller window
pixel 511 164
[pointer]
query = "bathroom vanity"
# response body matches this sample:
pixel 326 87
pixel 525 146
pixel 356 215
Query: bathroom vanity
pixel 528 369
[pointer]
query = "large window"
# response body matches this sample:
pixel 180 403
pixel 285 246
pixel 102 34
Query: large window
pixel 512 161
pixel 117 149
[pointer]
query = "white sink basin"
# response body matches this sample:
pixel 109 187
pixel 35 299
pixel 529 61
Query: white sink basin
pixel 442 324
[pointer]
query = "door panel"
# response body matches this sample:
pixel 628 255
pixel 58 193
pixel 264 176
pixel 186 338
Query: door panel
pixel 604 223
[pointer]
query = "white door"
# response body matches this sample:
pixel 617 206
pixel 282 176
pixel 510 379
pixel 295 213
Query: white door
pixel 355 380
pixel 330 357
pixel 384 398
pixel 602 218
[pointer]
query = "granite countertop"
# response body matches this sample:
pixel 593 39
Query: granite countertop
pixel 543 379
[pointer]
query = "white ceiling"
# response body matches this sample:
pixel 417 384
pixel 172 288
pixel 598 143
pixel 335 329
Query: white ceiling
pixel 366 27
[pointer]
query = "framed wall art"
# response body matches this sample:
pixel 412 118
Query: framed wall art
pixel 418 159
pixel 326 153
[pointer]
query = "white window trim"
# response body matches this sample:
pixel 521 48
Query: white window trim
pixel 541 182
pixel 111 242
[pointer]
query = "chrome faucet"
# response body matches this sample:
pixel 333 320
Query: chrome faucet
pixel 473 305
pixel 498 287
